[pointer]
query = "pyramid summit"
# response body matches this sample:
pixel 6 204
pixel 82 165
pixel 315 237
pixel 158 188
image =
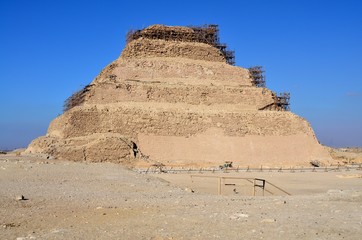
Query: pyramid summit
pixel 175 97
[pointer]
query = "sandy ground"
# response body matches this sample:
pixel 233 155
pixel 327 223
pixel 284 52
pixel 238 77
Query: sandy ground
pixel 67 200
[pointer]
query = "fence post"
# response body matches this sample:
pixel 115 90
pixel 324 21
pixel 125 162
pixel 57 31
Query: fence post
pixel 219 186
pixel 253 187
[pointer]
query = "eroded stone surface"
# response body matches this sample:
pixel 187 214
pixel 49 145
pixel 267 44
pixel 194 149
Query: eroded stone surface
pixel 178 103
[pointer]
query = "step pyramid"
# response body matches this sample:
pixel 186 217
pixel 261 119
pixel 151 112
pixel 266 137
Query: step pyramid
pixel 174 97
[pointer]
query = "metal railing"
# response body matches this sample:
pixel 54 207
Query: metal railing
pixel 255 183
pixel 175 170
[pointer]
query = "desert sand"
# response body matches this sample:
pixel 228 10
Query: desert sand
pixel 79 200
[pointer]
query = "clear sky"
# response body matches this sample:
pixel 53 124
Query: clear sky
pixel 312 49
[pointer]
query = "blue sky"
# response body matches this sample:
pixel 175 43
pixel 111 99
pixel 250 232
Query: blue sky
pixel 312 49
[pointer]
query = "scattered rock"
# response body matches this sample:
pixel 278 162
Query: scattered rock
pixel 350 176
pixel 20 198
pixel 10 225
pixel 189 190
pixel 268 220
pixel 315 163
pixel 238 216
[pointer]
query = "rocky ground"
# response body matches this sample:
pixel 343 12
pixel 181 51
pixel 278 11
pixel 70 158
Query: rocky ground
pixel 346 155
pixel 68 200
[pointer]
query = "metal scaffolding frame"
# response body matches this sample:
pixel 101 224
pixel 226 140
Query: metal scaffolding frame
pixel 257 76
pixel 208 34
pixel 283 101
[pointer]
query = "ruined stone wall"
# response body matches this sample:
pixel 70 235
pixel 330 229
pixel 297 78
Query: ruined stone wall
pixel 213 148
pixel 140 91
pixel 142 48
pixel 105 147
pixel 207 34
pixel 130 119
pixel 175 70
pixel 162 132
